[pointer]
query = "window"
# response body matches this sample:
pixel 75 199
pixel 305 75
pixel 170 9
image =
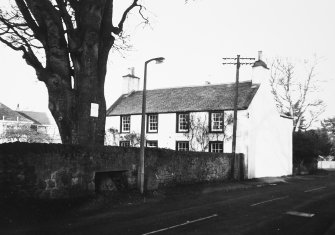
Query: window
pixel 125 143
pixel 216 146
pixel 216 122
pixel 41 129
pixel 125 124
pixel 152 143
pixel 182 146
pixel 152 125
pixel 182 122
pixel 8 126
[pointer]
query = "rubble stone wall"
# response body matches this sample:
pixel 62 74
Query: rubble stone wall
pixel 58 171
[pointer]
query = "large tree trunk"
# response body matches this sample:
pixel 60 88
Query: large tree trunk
pixel 71 109
pixel 76 37
pixel 71 106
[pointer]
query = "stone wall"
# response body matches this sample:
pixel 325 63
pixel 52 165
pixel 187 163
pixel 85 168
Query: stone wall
pixel 56 171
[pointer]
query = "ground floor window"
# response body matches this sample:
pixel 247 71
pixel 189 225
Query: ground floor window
pixel 152 143
pixel 216 146
pixel 182 146
pixel 125 143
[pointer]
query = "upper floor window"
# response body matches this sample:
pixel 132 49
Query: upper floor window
pixel 152 125
pixel 152 143
pixel 216 146
pixel 182 122
pixel 125 123
pixel 182 146
pixel 216 122
pixel 125 143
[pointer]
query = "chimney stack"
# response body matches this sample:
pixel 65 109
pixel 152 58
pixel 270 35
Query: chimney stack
pixel 130 82
pixel 132 71
pixel 260 71
pixel 260 55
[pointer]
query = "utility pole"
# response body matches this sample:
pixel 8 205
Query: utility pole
pixel 236 61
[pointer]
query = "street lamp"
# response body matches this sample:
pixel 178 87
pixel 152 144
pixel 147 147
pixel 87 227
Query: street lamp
pixel 158 60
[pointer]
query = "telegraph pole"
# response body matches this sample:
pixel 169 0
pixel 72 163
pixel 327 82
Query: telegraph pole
pixel 236 61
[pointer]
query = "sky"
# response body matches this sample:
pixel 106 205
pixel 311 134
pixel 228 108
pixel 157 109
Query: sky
pixel 193 38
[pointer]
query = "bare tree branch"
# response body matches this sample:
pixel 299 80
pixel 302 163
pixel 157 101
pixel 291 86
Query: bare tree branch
pixel 294 95
pixel 31 23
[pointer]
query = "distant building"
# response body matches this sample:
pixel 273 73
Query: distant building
pixel 199 118
pixel 37 122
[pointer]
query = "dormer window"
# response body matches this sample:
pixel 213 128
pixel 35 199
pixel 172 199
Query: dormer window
pixel 216 122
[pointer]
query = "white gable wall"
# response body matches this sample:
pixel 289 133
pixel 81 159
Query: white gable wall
pixel 270 137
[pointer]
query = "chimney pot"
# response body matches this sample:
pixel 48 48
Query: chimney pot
pixel 260 55
pixel 132 71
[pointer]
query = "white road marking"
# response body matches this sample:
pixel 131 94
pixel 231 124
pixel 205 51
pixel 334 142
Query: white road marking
pixel 274 199
pixel 314 189
pixel 302 214
pixel 183 224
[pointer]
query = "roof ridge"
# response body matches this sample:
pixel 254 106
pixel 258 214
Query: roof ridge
pixel 28 117
pixel 192 86
pixel 38 117
pixel 12 114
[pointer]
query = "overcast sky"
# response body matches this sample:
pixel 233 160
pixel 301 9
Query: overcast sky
pixel 193 38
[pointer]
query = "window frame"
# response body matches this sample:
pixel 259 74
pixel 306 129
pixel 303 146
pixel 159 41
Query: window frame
pixel 183 142
pixel 178 122
pixel 148 122
pixel 211 130
pixel 215 142
pixel 121 123
pixel 151 141
pixel 123 142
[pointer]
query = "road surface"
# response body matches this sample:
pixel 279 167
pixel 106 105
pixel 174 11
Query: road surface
pixel 301 205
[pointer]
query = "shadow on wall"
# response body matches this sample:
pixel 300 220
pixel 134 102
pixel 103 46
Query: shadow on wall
pixel 106 181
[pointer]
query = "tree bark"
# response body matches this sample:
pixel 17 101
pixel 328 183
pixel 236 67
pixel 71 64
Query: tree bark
pixel 76 37
pixel 71 106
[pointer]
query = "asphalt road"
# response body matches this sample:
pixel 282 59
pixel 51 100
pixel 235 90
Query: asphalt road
pixel 300 205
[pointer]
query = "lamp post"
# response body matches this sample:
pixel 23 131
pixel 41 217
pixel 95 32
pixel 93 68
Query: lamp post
pixel 158 60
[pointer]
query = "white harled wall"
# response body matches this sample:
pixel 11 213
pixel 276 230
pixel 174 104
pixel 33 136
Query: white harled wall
pixel 270 137
pixel 167 135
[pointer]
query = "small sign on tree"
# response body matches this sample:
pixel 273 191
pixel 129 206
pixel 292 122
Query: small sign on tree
pixel 94 110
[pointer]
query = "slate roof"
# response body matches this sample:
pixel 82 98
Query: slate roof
pixel 38 118
pixel 182 99
pixel 10 115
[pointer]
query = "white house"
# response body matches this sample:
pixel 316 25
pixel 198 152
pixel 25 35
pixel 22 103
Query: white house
pixel 10 119
pixel 36 121
pixel 199 118
pixel 42 123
